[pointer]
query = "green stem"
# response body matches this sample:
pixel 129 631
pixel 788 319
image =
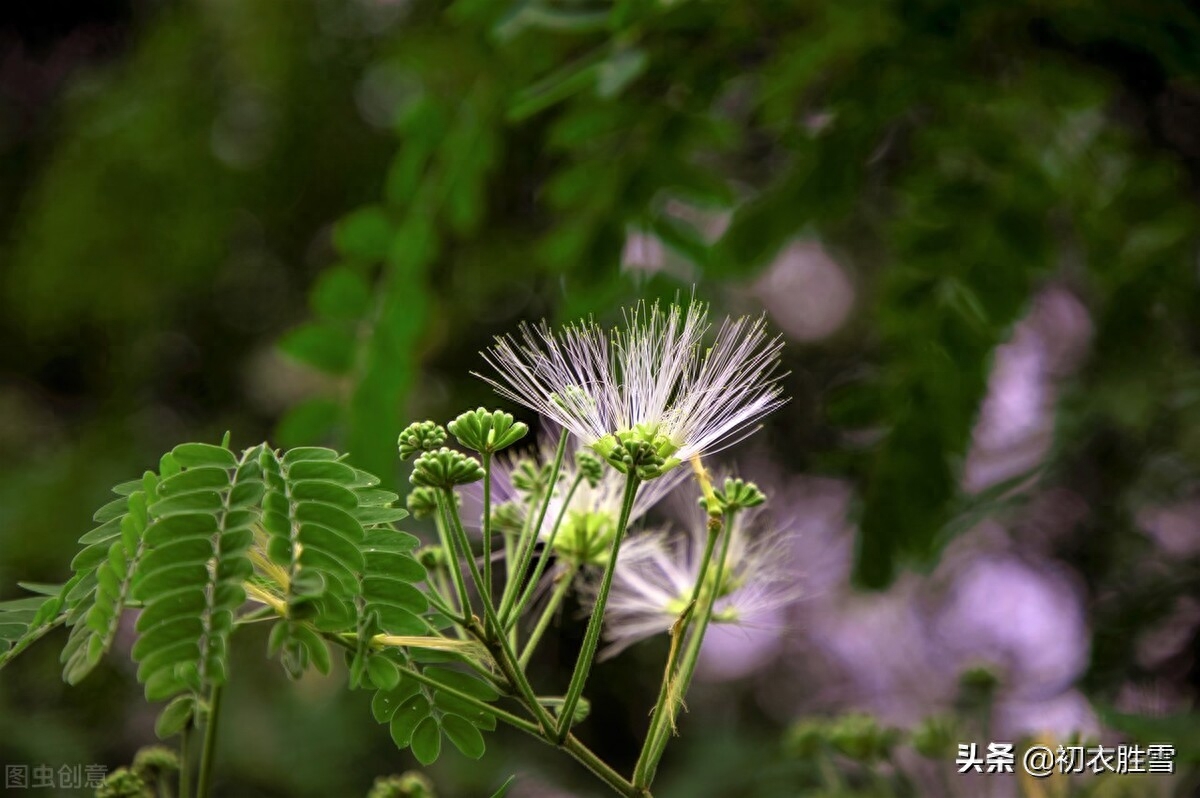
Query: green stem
pixel 503 654
pixel 458 538
pixel 560 591
pixel 540 568
pixel 209 752
pixel 692 654
pixel 525 549
pixel 451 556
pixel 612 778
pixel 644 764
pixel 185 768
pixel 486 457
pixel 544 732
pixel 591 637
pixel 831 779
pixel 438 603
pixel 507 659
pixel 507 717
pixel 512 720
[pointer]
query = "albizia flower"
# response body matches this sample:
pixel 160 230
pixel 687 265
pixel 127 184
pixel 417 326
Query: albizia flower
pixel 654 379
pixel 657 572
pixel 589 513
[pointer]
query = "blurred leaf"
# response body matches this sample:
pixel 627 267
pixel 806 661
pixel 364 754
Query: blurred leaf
pixel 320 345
pixel 307 422
pixel 364 234
pixel 500 793
pixel 341 294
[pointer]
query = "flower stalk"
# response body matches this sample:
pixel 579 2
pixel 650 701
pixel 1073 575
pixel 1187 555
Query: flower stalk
pixel 591 637
pixel 706 592
pixel 209 752
pixel 525 547
pixel 556 598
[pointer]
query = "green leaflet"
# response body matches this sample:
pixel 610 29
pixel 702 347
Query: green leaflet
pixel 388 601
pixel 108 565
pixel 419 715
pixel 348 569
pixel 24 620
pixel 309 513
pixel 190 577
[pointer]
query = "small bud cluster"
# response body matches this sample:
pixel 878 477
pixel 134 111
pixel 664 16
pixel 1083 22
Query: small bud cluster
pixel 507 517
pixel 422 502
pixel 590 467
pixel 123 783
pixel 487 432
pixel 445 468
pixel 530 478
pixel 421 436
pixel 735 494
pixel 638 456
pixel 857 736
pixel 155 761
pixel 432 557
pixel 408 785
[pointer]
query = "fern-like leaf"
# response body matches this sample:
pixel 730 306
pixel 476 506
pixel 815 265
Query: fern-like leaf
pixel 310 513
pixel 191 577
pixel 389 601
pixel 420 715
pixel 108 566
pixel 24 620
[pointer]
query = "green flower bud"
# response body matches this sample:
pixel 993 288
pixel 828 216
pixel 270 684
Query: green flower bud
pixel 582 709
pixel 155 761
pixel 487 432
pixel 638 456
pixel 805 738
pixel 421 502
pixel 508 517
pixel 935 737
pixel 980 678
pixel 585 538
pixel 977 688
pixel 861 738
pixel 528 477
pixel 737 494
pixel 123 783
pixel 445 468
pixel 590 467
pixel 421 436
pixel 410 785
pixel 432 557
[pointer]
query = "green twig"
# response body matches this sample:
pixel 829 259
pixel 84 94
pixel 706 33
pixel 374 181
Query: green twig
pixel 644 763
pixel 512 720
pixel 691 656
pixel 209 752
pixel 486 457
pixel 540 568
pixel 504 656
pixel 451 559
pixel 560 591
pixel 185 768
pixel 525 550
pixel 591 637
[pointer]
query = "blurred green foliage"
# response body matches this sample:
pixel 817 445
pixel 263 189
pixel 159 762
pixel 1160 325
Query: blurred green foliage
pixel 426 174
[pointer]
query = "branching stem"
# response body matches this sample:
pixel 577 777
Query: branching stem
pixel 591 637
